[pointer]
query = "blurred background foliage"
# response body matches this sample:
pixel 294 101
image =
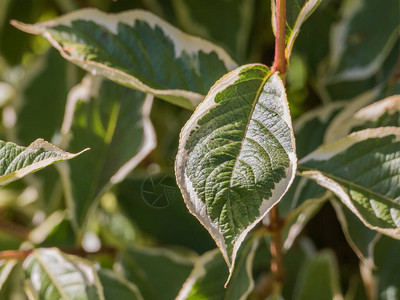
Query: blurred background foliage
pixel 35 82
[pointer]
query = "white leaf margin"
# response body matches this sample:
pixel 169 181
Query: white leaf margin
pixel 304 14
pixel 36 166
pixel 84 267
pixel 192 201
pixel 366 260
pixel 308 8
pixel 297 219
pixel 183 43
pixel 338 42
pixel 343 121
pixel 6 266
pixel 326 152
pixel 322 113
pixel 371 112
pixel 89 87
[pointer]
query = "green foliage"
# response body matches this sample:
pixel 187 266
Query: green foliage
pixel 222 210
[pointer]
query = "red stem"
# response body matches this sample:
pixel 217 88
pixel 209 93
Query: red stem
pixel 280 38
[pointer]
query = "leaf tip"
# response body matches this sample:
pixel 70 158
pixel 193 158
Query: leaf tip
pixel 28 28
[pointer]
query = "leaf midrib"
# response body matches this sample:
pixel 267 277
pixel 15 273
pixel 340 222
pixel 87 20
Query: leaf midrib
pixel 256 98
pixel 50 275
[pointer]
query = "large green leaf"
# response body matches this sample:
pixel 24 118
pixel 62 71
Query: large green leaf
pixel 158 273
pixel 116 287
pixel 51 274
pixel 297 12
pixel 203 18
pixel 363 39
pixel 319 278
pixel 17 161
pixel 137 49
pixel 363 170
pixel 209 275
pixel 236 157
pixel 114 121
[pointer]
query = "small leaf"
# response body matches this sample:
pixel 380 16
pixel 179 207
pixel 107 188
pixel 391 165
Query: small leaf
pixel 319 278
pixel 139 50
pixel 116 287
pixel 154 270
pixel 236 157
pixel 209 273
pixel 115 122
pixel 297 12
pixel 17 162
pixel 363 170
pixel 51 274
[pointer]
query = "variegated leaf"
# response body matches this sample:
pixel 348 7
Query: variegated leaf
pixel 115 122
pixel 51 274
pixel 297 12
pixel 17 161
pixel 139 50
pixel 236 157
pixel 359 45
pixel 363 170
